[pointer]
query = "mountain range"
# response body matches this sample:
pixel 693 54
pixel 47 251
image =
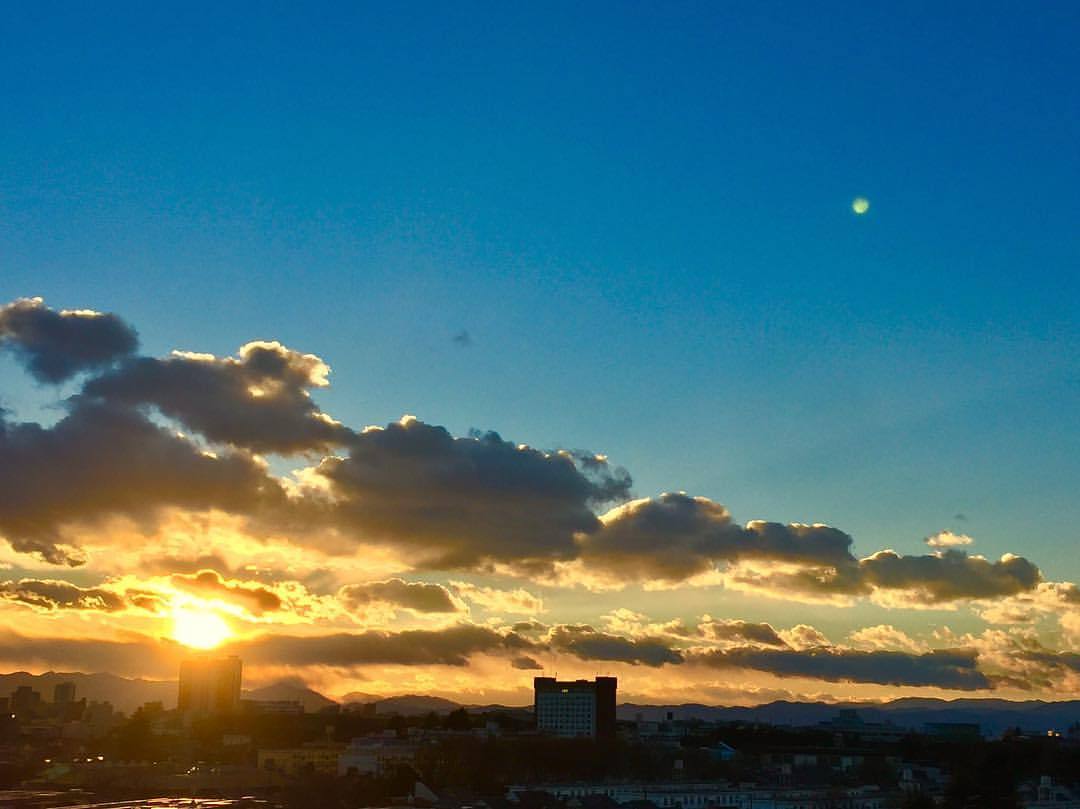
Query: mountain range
pixel 993 715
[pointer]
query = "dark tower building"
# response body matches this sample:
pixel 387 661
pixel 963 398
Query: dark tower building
pixel 210 685
pixel 64 693
pixel 575 707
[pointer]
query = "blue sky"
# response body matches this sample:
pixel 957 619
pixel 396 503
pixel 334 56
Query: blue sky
pixel 640 213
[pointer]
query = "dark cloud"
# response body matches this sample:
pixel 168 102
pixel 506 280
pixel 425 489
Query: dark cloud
pixel 929 579
pixel 57 345
pixel 50 594
pixel 532 625
pixel 525 663
pixel 466 502
pixel 949 575
pixel 944 668
pixel 418 596
pixel 253 597
pixel 734 630
pixel 258 400
pixel 418 647
pixel 135 658
pixel 674 537
pixel 101 461
pixel 587 643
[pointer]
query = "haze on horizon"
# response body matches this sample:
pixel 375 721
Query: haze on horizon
pixel 729 351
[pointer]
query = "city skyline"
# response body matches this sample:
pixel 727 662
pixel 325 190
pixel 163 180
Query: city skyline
pixel 729 352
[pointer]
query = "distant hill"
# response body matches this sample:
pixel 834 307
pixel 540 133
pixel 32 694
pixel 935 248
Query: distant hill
pixel 415 705
pixel 359 697
pixel 125 694
pixel 993 715
pixel 287 691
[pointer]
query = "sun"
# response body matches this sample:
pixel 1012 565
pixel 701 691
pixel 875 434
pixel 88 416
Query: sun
pixel 199 629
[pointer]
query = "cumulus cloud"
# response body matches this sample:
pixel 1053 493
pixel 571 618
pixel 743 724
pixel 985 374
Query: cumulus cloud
pixel 732 630
pixel 526 663
pixel 443 502
pixel 209 584
pixel 259 399
pixel 892 579
pixel 518 601
pixel 531 626
pixel 56 345
pixel 949 575
pixel 452 646
pixel 464 502
pixel 804 636
pixel 587 643
pixel 675 537
pixel 885 636
pixel 101 461
pixel 943 668
pixel 51 594
pixel 947 539
pixel 418 596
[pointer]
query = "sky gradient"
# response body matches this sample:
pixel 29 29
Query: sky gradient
pixel 623 232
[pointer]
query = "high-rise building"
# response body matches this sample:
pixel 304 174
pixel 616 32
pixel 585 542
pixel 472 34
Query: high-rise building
pixel 575 707
pixel 64 693
pixel 210 685
pixel 25 702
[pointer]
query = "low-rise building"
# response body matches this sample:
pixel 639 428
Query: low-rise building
pixel 721 795
pixel 321 758
pixel 376 756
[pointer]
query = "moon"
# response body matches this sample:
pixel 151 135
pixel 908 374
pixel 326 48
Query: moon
pixel 860 205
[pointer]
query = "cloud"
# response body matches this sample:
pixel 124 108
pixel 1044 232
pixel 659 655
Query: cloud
pixel 518 601
pixel 885 636
pixel 57 345
pixel 803 636
pixel 1057 599
pixel 418 596
pixel 675 537
pixel 463 502
pixel 531 626
pixel 894 580
pixel 258 400
pixel 452 646
pixel 947 539
pixel 99 462
pixel 587 643
pixel 731 630
pixel 255 598
pixel 50 594
pixel 949 575
pixel 526 663
pixel 943 668
pixel 141 657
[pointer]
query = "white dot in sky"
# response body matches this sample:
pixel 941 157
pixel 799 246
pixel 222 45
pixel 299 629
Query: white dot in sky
pixel 860 205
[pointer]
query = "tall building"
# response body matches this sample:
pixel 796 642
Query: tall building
pixel 64 693
pixel 575 707
pixel 25 702
pixel 210 685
